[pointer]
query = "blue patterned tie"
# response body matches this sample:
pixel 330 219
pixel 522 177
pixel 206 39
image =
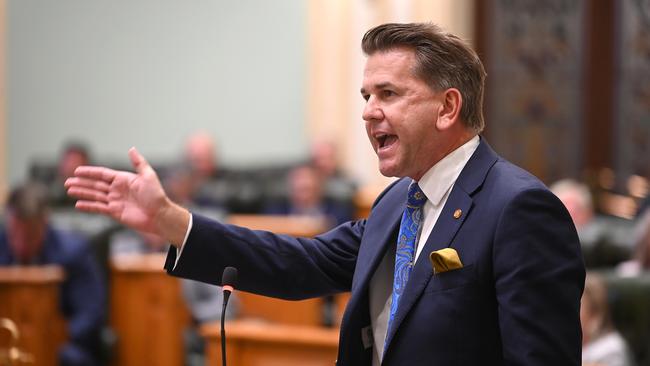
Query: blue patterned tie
pixel 405 254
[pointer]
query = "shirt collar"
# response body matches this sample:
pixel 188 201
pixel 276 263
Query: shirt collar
pixel 442 176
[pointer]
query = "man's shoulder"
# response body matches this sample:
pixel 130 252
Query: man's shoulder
pixel 513 177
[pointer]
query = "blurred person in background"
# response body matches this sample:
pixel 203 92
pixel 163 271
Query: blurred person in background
pixel 306 198
pixel 576 197
pixel 74 154
pixel 199 178
pixel 602 344
pixel 28 239
pixel 605 240
pixel 336 185
pixel 324 158
pixel 201 156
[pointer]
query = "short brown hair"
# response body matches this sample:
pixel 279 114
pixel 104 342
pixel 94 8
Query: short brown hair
pixel 444 61
pixel 29 201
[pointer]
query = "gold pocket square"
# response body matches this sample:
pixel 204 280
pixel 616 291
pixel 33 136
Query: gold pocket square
pixel 444 260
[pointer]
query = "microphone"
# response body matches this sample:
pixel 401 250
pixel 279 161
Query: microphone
pixel 228 281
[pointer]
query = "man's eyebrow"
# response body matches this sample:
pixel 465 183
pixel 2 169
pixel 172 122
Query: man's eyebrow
pixel 382 85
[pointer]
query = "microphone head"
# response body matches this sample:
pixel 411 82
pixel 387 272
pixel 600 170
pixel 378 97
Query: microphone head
pixel 229 277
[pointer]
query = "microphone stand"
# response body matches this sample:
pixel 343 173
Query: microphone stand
pixel 226 296
pixel 228 281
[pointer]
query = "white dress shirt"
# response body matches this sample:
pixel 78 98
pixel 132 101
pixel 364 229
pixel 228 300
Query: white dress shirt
pixel 436 184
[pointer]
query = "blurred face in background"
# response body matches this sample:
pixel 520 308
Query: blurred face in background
pixel 323 154
pixel 305 186
pixel 70 161
pixel 26 236
pixel 200 154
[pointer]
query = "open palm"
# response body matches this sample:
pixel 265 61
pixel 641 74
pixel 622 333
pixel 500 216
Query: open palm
pixel 133 199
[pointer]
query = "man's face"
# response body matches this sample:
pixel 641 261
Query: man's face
pixel 400 114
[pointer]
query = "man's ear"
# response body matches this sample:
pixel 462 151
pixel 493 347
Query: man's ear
pixel 449 113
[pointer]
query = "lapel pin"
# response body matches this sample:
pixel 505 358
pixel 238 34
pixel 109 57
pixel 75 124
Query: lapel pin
pixel 458 213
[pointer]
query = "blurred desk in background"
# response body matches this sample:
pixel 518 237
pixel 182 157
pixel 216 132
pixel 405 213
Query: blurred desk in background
pixel 314 312
pixel 147 311
pixel 29 296
pixel 282 332
pixel 255 343
pixel 303 226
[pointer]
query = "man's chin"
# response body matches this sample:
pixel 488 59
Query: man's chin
pixel 389 170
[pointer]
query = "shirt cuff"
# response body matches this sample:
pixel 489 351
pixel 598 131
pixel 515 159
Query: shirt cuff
pixel 179 250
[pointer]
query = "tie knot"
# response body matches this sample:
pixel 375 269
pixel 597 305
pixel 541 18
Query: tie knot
pixel 416 197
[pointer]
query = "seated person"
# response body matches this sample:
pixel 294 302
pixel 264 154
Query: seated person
pixel 605 240
pixel 200 154
pixel 602 344
pixel 28 239
pixel 74 154
pixel 336 185
pixel 305 198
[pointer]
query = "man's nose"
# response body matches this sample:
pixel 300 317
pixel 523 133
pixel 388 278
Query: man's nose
pixel 372 111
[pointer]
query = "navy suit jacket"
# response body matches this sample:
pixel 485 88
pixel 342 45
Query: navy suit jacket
pixel 516 301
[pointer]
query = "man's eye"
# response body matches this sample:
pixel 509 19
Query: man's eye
pixel 365 97
pixel 387 93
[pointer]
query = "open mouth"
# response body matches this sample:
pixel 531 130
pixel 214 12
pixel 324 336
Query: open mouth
pixel 385 140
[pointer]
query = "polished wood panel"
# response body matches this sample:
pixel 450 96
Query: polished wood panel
pixel 304 312
pixel 253 343
pixel 365 198
pixel 148 313
pixel 29 296
pixel 303 226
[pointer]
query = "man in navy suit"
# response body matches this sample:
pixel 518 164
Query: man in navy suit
pixel 493 272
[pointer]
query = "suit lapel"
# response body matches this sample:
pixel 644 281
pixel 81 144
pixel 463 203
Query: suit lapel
pixel 445 229
pixel 441 236
pixel 380 231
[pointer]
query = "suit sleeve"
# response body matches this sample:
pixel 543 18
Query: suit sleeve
pixel 270 264
pixel 539 278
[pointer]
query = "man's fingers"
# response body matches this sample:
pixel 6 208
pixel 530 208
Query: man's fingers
pixel 139 162
pixel 96 172
pixel 87 183
pixel 88 194
pixel 93 207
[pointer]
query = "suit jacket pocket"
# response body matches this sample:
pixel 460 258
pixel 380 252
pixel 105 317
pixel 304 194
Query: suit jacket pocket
pixel 452 279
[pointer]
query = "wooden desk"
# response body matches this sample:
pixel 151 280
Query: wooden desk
pixel 252 343
pixel 148 312
pixel 29 296
pixel 364 199
pixel 303 226
pixel 305 312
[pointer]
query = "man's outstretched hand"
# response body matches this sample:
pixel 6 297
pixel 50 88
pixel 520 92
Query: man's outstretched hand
pixel 136 199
